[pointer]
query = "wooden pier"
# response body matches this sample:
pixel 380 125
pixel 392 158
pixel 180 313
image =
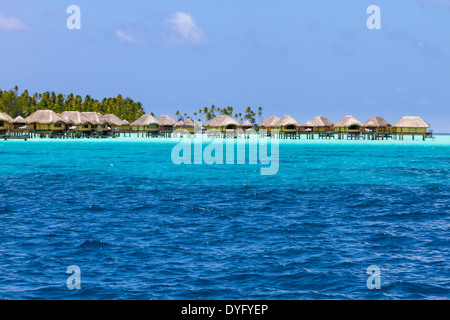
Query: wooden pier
pixel 15 136
pixel 301 135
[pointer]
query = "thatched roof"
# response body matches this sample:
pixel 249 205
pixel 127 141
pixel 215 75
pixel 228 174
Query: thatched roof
pixel 319 121
pixel 19 120
pixel 6 117
pixel 222 121
pixel 125 123
pixel 411 122
pixel 73 117
pixel 44 117
pixel 145 120
pixel 247 124
pixel 348 121
pixel 166 120
pixel 269 122
pixel 189 123
pixel 113 120
pixel 376 122
pixel 287 121
pixel 94 118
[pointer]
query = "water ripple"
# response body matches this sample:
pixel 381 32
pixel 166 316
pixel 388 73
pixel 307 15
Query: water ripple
pixel 147 229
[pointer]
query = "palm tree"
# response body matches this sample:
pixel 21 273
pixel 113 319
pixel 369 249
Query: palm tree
pixel 260 113
pixel 249 115
pixel 211 112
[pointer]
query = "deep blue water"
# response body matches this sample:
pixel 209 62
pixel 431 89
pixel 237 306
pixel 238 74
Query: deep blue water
pixel 140 227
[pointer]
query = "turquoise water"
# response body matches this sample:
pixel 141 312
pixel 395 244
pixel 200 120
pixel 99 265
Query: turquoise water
pixel 141 227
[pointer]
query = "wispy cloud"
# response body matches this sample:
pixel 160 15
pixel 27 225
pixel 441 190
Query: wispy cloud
pixel 123 36
pixel 271 50
pixel 401 89
pixel 342 51
pixel 185 30
pixel 347 34
pixel 11 23
pixel 425 48
pixel 424 103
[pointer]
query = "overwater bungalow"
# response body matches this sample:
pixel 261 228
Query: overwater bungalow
pixel 287 125
pixel 410 125
pixel 180 125
pixel 348 124
pixel 269 123
pixel 114 121
pixel 223 124
pixel 45 121
pixel 5 122
pixel 187 125
pixel 146 123
pixel 19 125
pixel 377 124
pixel 167 124
pixel 246 125
pixel 318 124
pixel 76 124
pixel 76 121
pixel 99 124
pixel 125 125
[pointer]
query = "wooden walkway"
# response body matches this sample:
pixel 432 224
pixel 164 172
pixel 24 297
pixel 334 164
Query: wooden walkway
pixel 9 136
pixel 25 135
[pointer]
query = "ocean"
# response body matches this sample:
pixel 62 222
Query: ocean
pixel 138 226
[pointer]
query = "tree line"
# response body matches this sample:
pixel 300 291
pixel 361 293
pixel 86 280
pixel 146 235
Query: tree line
pixel 24 104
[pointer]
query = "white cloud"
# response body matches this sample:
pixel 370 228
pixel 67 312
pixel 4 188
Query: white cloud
pixel 125 37
pixel 185 30
pixel 402 90
pixel 11 23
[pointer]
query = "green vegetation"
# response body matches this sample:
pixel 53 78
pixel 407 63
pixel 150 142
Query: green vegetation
pixel 24 104
pixel 214 111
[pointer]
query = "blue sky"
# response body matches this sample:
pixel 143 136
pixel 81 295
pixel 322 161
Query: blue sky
pixel 303 58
